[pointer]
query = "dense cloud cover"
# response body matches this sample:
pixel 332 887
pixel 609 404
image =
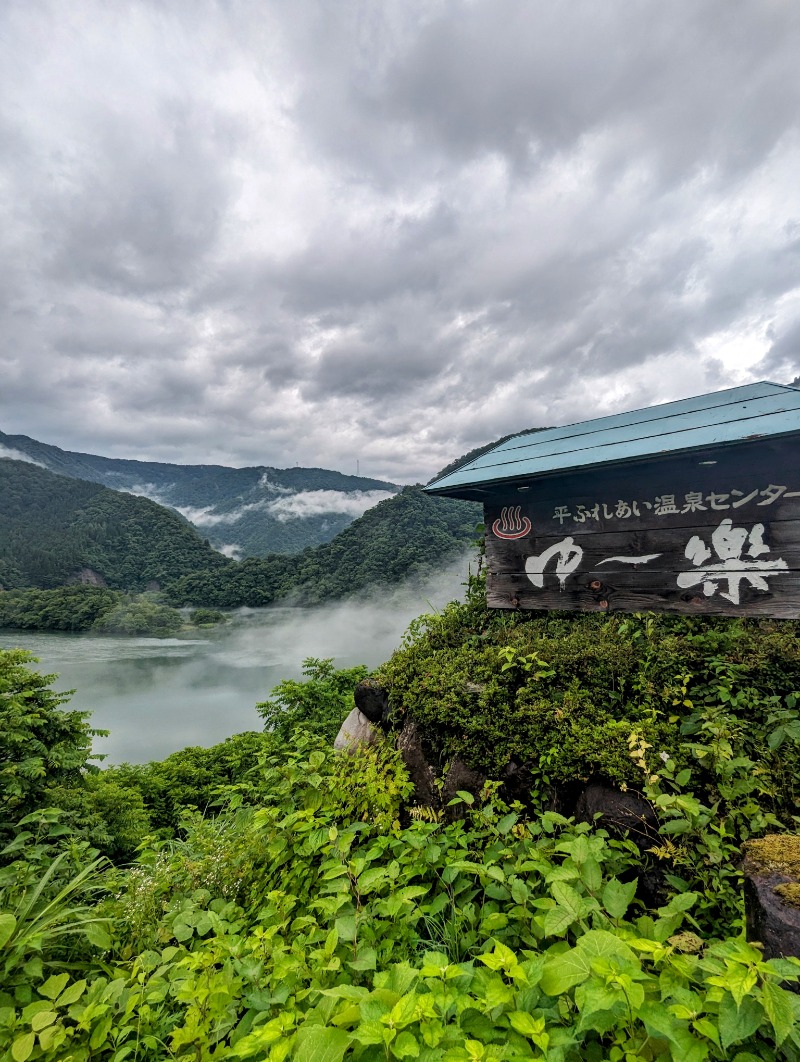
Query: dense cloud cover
pixel 390 230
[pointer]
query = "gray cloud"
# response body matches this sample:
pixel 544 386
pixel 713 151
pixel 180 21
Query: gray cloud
pixel 271 234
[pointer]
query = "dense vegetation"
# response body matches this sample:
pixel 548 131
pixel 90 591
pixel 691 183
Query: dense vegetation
pixel 241 496
pixel 400 538
pixel 52 528
pixel 289 903
pixel 90 608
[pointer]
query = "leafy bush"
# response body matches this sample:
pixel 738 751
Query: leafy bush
pixel 319 704
pixel 140 617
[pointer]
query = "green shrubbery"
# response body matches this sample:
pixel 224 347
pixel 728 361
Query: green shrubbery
pixel 281 909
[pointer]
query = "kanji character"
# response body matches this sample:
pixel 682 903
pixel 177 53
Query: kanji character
pixel 665 505
pixel 694 502
pixel 731 567
pixel 561 513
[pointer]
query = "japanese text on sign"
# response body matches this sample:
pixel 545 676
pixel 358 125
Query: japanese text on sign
pixel 669 505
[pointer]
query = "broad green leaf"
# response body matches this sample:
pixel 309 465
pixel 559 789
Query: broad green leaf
pixel 737 1023
pixel 567 897
pixel 43 1019
pixel 72 994
pixel 22 1047
pixel 346 927
pixel 519 891
pixel 525 1023
pixel 8 924
pixel 97 934
pixel 557 921
pixel 371 878
pixel 403 1012
pixel 778 1006
pixel 591 874
pixel 507 821
pixel 575 966
pixel 617 897
pixel 405 1046
pixel 321 1044
pixel 54 986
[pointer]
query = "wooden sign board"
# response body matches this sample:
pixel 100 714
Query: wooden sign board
pixel 714 531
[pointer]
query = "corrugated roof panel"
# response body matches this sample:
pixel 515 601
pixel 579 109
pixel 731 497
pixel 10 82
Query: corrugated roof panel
pixel 733 415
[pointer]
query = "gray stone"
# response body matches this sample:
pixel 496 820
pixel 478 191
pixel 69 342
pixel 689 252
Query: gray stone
pixel 409 744
pixel 356 731
pixel 771 894
pixel 372 699
pixel 622 812
pixel 461 777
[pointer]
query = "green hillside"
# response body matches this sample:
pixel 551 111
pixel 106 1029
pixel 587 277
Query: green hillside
pixel 408 535
pixel 52 528
pixel 246 511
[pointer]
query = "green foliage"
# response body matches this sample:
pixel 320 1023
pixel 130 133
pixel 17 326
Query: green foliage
pixel 305 929
pixel 206 617
pixel 52 527
pixel 282 911
pixel 407 536
pixel 195 779
pixel 68 608
pixel 139 616
pixel 319 704
pixel 42 747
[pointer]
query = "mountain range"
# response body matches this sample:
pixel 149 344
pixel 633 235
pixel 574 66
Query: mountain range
pixel 56 529
pixel 242 512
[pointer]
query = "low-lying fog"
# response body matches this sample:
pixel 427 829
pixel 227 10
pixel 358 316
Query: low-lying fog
pixel 159 695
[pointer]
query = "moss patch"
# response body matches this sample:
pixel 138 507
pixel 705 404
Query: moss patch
pixel 776 852
pixel 789 892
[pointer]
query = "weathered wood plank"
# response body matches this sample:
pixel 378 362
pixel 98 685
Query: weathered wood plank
pixel 724 538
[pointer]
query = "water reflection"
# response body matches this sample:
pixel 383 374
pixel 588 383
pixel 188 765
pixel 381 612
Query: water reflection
pixel 159 695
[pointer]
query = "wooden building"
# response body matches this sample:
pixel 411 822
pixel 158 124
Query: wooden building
pixel 692 506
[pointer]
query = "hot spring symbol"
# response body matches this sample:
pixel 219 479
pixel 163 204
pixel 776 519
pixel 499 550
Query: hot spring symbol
pixel 511 524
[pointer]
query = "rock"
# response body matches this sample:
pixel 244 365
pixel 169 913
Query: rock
pixel 772 893
pixel 409 744
pixel 89 577
pixel 461 777
pixel 623 812
pixel 355 731
pixel 372 700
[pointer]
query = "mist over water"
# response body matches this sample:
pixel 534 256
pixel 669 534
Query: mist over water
pixel 159 695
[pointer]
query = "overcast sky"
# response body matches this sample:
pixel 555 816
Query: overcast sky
pixel 316 233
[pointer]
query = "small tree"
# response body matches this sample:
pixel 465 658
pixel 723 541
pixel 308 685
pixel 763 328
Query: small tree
pixel 319 705
pixel 41 747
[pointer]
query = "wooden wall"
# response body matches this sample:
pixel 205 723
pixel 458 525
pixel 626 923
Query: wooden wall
pixel 715 531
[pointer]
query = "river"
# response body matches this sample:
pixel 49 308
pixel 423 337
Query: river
pixel 158 695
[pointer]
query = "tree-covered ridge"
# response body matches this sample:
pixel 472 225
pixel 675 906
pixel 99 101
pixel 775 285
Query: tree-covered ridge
pixel 231 506
pixel 53 527
pixel 402 537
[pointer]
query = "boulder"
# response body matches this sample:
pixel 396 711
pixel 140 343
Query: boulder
pixel 461 777
pixel 355 731
pixel 623 812
pixel 409 744
pixel 772 894
pixel 372 700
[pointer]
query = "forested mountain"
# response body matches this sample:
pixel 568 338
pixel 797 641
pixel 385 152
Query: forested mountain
pixel 53 528
pixel 406 535
pixel 242 511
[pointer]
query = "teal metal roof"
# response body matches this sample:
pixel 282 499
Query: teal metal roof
pixel 731 416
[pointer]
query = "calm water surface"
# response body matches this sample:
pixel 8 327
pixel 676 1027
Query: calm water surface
pixel 158 695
